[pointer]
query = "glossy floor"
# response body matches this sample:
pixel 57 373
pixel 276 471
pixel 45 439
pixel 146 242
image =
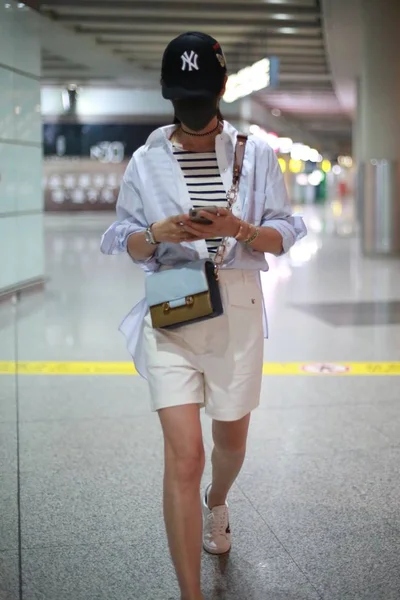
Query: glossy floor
pixel 315 512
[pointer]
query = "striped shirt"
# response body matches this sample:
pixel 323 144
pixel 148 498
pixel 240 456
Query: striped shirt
pixel 204 183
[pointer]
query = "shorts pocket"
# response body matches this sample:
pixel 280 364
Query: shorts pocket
pixel 245 292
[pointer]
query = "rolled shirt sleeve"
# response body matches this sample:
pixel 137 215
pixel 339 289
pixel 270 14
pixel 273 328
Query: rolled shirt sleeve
pixel 130 219
pixel 277 210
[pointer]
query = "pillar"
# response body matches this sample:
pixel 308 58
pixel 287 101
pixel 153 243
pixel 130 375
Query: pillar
pixel 379 147
pixel 356 151
pixel 21 197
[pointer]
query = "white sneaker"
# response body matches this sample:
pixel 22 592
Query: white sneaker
pixel 217 537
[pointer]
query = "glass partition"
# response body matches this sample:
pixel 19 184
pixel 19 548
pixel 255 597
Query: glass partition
pixel 21 252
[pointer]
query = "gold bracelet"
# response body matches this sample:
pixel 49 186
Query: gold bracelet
pixel 253 237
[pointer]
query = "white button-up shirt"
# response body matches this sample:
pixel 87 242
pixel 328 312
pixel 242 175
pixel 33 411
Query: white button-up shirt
pixel 153 188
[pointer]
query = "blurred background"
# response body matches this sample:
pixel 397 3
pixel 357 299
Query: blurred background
pixel 80 454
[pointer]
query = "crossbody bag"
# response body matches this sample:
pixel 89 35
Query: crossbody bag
pixel 190 292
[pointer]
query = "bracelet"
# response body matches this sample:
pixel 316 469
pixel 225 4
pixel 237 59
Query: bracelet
pixel 245 234
pixel 242 235
pixel 149 236
pixel 253 237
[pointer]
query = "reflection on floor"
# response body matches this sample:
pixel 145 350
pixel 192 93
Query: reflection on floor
pixel 353 314
pixel 315 512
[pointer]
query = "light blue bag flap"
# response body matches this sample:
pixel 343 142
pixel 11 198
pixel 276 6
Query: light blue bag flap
pixel 177 303
pixel 174 285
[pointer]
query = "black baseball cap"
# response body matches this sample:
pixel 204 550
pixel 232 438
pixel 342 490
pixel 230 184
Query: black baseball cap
pixel 193 65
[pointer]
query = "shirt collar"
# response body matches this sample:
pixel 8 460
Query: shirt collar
pixel 160 136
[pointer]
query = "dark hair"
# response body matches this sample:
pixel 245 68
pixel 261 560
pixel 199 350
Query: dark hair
pixel 220 117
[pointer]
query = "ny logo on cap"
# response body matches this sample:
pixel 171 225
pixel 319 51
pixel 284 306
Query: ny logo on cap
pixel 190 61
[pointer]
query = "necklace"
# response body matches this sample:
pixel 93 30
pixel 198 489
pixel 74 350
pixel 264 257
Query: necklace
pixel 218 125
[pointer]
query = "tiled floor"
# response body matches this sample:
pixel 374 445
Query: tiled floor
pixel 315 512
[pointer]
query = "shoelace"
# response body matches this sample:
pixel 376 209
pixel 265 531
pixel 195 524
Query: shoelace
pixel 218 526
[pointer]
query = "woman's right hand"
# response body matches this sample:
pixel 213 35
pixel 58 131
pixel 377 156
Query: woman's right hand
pixel 172 230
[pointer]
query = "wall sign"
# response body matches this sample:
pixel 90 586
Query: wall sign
pixel 84 163
pixel 81 184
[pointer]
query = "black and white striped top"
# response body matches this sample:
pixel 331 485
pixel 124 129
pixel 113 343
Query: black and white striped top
pixel 204 183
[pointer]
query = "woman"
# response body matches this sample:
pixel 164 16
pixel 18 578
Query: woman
pixel 215 363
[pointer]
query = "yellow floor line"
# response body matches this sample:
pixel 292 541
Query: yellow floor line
pixel 126 368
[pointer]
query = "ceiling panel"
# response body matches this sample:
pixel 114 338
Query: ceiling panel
pixel 279 6
pixel 217 10
pixel 136 32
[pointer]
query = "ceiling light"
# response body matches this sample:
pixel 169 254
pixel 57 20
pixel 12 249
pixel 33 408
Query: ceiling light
pixel 287 30
pixel 285 145
pixel 314 155
pixel 276 112
pixel 315 178
pixel 345 161
pixel 250 79
pixel 326 166
pixel 254 129
pixel 300 152
pixel 295 152
pixel 282 17
pixel 295 166
pixel 65 100
pixel 282 164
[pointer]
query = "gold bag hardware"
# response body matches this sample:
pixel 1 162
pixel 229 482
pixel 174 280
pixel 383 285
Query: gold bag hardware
pixel 167 305
pixel 196 307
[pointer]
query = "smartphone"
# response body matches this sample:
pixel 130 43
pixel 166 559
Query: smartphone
pixel 195 217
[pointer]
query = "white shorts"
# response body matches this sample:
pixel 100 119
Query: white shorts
pixel 216 363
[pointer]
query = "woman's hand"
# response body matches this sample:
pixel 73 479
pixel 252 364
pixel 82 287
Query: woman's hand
pixel 173 230
pixel 224 224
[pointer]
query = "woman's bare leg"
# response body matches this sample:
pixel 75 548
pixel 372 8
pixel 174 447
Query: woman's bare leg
pixel 227 458
pixel 184 464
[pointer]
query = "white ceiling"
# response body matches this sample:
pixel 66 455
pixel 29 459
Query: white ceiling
pixel 120 43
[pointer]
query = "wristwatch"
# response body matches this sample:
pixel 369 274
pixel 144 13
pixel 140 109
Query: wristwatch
pixel 149 237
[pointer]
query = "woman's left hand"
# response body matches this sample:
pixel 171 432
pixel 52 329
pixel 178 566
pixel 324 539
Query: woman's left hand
pixel 224 224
